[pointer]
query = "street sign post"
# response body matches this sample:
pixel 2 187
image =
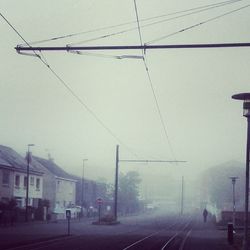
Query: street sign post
pixel 68 216
pixel 99 201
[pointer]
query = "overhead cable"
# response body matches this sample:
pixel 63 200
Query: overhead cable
pixel 152 87
pixel 150 24
pixel 132 22
pixel 70 90
pixel 198 24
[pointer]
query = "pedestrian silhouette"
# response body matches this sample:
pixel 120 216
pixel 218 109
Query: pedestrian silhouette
pixel 205 213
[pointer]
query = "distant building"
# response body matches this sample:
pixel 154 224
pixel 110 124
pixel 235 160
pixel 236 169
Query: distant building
pixel 59 186
pixel 87 192
pixel 13 177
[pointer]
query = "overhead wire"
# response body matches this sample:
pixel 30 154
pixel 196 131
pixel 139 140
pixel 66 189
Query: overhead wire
pixel 131 22
pixel 197 24
pixel 153 23
pixel 71 91
pixel 152 86
pixel 190 27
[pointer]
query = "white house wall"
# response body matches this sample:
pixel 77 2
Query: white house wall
pixel 34 191
pixel 65 193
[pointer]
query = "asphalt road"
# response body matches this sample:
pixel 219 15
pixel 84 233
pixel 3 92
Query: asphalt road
pixel 137 232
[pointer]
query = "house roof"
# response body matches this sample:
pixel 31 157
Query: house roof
pixel 54 168
pixel 10 158
pixel 4 163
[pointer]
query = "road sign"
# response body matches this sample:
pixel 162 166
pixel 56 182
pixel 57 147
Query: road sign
pixel 68 216
pixel 68 213
pixel 99 200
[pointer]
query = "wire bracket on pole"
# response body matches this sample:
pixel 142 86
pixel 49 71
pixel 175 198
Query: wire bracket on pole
pixel 28 54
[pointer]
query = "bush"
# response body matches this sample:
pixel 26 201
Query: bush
pixel 108 218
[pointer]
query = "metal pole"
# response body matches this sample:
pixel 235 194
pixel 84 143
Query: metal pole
pixel 68 226
pixel 245 240
pixel 99 213
pixel 182 194
pixel 116 181
pixel 234 208
pixel 82 200
pixel 27 186
pixel 234 202
pixel 133 47
pixel 82 191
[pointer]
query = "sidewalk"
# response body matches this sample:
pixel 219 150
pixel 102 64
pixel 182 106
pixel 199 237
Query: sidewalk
pixel 206 236
pixel 37 231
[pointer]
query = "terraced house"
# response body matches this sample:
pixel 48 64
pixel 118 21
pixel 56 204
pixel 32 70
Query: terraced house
pixel 13 177
pixel 59 186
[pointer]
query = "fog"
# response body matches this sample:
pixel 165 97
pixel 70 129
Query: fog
pixel 193 88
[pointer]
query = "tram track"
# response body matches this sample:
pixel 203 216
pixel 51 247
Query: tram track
pixel 173 237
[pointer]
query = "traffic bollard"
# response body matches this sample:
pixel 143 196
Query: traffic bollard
pixel 230 233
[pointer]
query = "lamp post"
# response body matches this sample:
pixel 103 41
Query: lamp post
pixel 82 196
pixel 234 207
pixel 28 158
pixel 182 195
pixel 245 97
pixel 116 181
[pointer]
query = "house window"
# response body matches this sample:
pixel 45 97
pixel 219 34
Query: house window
pixel 32 181
pixel 17 181
pixel 37 183
pixel 25 181
pixel 6 178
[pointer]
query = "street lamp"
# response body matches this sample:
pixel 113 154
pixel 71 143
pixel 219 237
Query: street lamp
pixel 234 207
pixel 245 97
pixel 116 182
pixel 82 196
pixel 28 158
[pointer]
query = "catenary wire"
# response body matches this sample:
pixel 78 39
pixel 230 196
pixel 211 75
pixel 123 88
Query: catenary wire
pixel 70 90
pixel 152 86
pixel 147 25
pixel 198 24
pixel 138 25
pixel 128 23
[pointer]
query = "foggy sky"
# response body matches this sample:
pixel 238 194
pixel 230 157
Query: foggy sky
pixel 193 87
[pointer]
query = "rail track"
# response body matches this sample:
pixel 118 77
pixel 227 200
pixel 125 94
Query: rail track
pixel 173 237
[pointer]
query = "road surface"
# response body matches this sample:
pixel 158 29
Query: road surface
pixel 148 232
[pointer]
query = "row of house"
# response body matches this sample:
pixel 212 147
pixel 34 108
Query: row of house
pixel 47 181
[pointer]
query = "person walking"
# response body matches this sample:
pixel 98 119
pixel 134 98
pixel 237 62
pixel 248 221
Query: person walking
pixel 205 213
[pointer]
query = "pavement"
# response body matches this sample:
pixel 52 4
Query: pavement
pixel 206 236
pixel 37 231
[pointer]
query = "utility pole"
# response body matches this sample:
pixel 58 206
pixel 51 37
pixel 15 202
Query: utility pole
pixel 116 180
pixel 234 207
pixel 182 194
pixel 117 173
pixel 82 196
pixel 28 158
